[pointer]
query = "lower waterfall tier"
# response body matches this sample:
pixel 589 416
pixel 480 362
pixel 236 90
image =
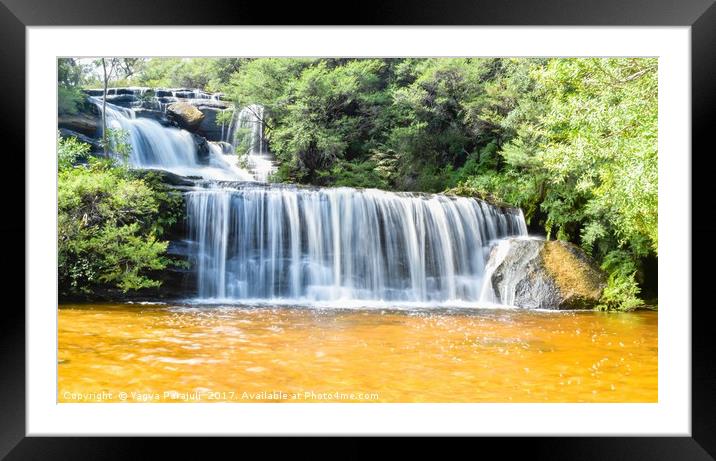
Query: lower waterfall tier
pixel 254 242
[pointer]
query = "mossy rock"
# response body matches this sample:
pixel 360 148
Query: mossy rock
pixel 579 280
pixel 539 274
pixel 185 115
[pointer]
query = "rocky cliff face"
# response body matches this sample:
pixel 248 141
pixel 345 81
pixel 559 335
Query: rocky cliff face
pixel 539 274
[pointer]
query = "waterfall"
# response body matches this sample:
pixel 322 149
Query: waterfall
pixel 156 146
pixel 153 145
pixel 250 120
pixel 496 257
pixel 246 132
pixel 257 242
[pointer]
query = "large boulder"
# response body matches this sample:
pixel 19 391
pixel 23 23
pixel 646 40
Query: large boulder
pixel 185 115
pixel 85 119
pixel 538 274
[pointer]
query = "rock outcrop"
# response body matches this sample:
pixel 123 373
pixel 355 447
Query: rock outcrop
pixel 95 144
pixel 185 115
pixel 539 274
pixel 167 177
pixel 86 120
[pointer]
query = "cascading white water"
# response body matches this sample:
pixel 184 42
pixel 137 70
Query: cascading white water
pixel 223 167
pixel 172 149
pixel 246 131
pixel 506 293
pixel 250 119
pixel 167 148
pixel 286 243
pixel 152 145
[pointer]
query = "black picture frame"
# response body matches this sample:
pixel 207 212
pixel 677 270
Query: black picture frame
pixel 16 15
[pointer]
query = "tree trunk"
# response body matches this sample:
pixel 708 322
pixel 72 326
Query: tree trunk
pixel 104 111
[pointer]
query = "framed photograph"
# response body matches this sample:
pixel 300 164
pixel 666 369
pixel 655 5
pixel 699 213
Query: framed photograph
pixel 450 228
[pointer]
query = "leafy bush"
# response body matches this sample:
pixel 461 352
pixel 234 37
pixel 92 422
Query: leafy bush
pixel 347 174
pixel 69 100
pixel 118 144
pixel 69 94
pixel 70 150
pixel 109 228
pixel 622 290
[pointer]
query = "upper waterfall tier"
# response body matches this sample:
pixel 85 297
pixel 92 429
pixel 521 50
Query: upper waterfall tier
pixel 156 146
pixel 277 242
pixel 152 118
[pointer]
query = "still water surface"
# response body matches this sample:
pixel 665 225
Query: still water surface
pixel 150 353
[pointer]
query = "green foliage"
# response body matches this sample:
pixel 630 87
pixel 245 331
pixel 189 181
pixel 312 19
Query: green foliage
pixel 69 100
pixel 224 117
pixel 244 141
pixel 70 151
pixel 170 203
pixel 211 74
pixel 351 174
pixel 109 225
pixel 122 255
pixel 70 75
pixel 118 143
pixel 622 290
pixel 600 143
pixel 580 157
pixel 313 109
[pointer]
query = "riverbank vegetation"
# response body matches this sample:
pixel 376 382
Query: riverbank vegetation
pixel 573 142
pixel 110 222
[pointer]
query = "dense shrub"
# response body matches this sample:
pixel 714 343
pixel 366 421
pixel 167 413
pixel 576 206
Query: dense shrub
pixel 109 224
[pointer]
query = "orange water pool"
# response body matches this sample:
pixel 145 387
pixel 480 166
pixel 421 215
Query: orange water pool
pixel 150 353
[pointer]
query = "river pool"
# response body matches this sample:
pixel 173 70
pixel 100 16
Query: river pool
pixel 165 353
